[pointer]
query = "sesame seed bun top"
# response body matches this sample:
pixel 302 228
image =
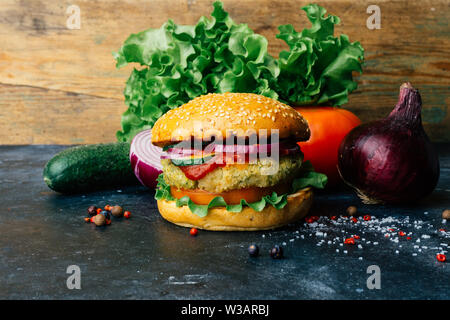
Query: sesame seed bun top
pixel 229 114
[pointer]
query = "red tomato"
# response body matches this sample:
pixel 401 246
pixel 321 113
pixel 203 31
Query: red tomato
pixel 329 126
pixel 198 171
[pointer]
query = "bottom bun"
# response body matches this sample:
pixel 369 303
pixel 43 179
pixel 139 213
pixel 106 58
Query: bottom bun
pixel 219 219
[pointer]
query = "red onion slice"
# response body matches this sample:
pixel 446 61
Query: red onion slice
pixel 145 158
pixel 284 149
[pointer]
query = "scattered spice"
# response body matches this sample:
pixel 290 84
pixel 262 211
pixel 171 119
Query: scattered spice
pixel 92 210
pixel 441 257
pixel 349 241
pixel 276 252
pixel 354 220
pixel 311 219
pixel 446 214
pixel 416 234
pixel 253 250
pixel 99 220
pixel 101 217
pixel 352 210
pixel 193 232
pixel 117 211
pixel 106 214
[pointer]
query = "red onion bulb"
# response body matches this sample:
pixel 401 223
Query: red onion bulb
pixel 391 160
pixel 145 158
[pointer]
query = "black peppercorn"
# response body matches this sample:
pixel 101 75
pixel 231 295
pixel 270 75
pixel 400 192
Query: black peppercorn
pixel 92 210
pixel 253 250
pixel 276 252
pixel 106 214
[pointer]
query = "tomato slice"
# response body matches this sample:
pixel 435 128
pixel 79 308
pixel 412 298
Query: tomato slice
pixel 198 171
pixel 250 195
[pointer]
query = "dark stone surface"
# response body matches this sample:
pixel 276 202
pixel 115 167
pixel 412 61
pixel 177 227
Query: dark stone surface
pixel 42 233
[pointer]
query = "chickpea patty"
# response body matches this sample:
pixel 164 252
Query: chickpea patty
pixel 235 176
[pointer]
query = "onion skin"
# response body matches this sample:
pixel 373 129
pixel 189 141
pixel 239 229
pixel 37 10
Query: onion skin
pixel 391 160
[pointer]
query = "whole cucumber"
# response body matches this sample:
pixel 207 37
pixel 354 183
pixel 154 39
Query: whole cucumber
pixel 90 167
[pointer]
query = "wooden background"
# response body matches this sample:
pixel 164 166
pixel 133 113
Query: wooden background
pixel 60 86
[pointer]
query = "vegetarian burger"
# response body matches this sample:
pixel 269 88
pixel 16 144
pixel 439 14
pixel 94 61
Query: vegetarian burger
pixel 232 162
